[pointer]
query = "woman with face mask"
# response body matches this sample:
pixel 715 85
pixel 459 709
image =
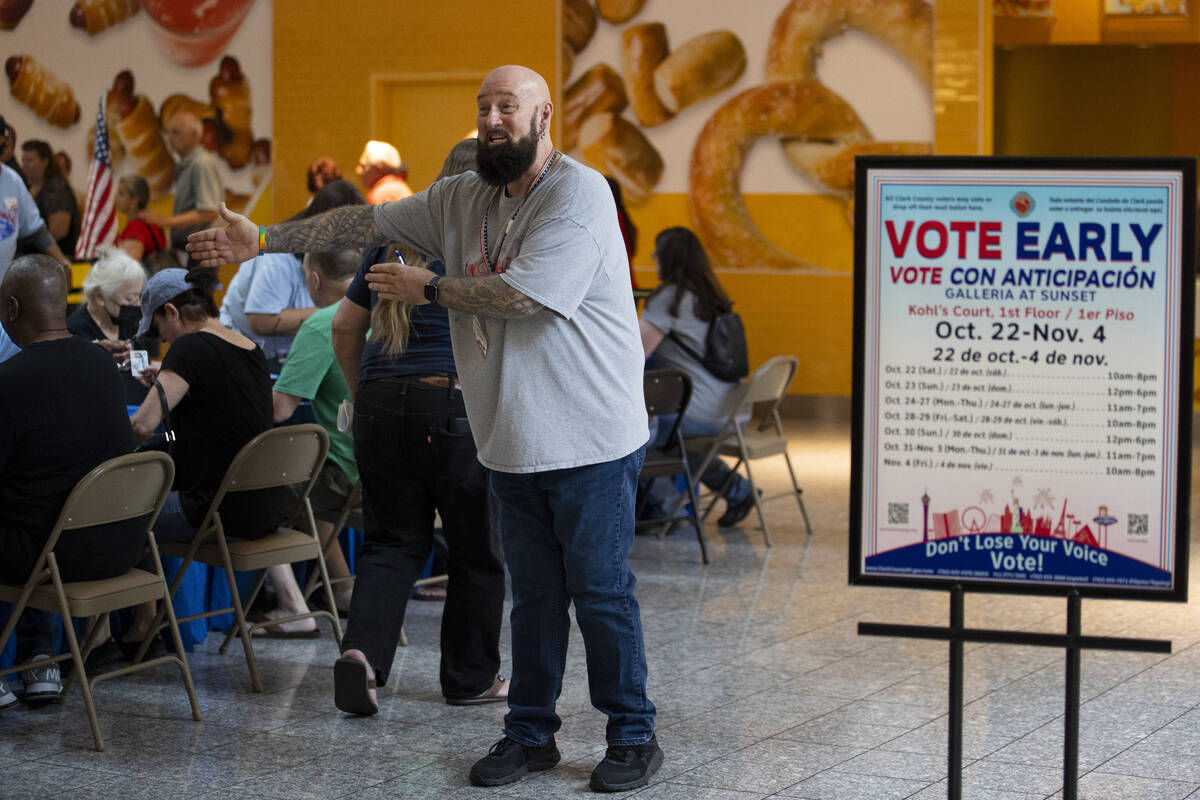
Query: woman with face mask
pixel 111 310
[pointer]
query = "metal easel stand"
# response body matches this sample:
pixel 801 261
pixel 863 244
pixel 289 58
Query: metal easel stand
pixel 1074 642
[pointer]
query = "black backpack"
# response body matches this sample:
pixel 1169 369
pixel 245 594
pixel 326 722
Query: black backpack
pixel 725 356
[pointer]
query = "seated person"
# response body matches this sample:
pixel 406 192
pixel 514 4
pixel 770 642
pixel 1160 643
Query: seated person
pixel 111 310
pixel 312 373
pixel 110 314
pixel 218 392
pixel 142 239
pixel 48 441
pixel 267 300
pixel 276 304
pixel 683 305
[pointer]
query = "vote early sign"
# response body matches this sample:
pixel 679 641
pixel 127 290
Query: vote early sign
pixel 1022 374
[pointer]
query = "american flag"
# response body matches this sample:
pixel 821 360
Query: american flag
pixel 99 225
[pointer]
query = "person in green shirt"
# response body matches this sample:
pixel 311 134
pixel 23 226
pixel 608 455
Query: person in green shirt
pixel 312 373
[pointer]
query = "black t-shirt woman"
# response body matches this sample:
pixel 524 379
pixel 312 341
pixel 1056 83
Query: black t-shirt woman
pixel 218 391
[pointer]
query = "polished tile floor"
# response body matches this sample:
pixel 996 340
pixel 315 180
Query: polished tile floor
pixel 764 689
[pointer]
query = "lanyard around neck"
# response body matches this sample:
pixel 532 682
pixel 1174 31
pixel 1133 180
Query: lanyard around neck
pixel 483 226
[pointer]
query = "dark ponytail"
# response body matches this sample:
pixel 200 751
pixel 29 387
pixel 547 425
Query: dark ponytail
pixel 196 304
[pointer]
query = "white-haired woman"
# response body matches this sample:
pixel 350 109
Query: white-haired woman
pixel 111 310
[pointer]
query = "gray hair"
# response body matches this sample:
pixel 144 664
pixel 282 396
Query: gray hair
pixel 113 268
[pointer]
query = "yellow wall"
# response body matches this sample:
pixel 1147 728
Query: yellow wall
pixel 804 315
pixel 331 59
pixel 327 53
pixel 1104 101
pixel 1084 22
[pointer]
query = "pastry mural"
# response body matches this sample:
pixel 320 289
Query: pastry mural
pixel 41 90
pixel 770 99
pixel 149 60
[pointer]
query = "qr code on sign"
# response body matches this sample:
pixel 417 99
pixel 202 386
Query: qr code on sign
pixel 897 513
pixel 1139 524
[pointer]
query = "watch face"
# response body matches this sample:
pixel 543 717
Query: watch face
pixel 431 291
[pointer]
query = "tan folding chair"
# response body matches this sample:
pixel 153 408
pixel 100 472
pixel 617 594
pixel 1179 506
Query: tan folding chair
pixel 763 436
pixel 350 515
pixel 122 488
pixel 278 457
pixel 668 391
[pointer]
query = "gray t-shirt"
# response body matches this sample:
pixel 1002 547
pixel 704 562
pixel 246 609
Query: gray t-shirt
pixel 712 398
pixel 198 186
pixel 563 387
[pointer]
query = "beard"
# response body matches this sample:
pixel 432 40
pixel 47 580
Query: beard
pixel 501 164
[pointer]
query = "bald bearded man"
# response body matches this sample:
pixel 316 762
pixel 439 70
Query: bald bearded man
pixel 62 412
pixel 546 343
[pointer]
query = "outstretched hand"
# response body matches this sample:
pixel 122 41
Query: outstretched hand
pixel 233 244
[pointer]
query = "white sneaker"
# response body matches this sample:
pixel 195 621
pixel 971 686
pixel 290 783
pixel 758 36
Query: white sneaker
pixel 42 684
pixel 7 698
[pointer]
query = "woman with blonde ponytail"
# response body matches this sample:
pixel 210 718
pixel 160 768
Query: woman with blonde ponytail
pixel 416 456
pixel 391 319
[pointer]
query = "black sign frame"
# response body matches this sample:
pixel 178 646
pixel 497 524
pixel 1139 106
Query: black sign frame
pixel 1186 168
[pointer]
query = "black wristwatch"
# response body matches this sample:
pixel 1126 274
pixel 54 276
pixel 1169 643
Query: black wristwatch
pixel 431 290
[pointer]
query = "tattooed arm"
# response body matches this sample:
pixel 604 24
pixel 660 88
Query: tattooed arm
pixel 338 229
pixel 488 296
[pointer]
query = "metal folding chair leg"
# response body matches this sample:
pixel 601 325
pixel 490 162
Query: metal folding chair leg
pixel 176 639
pixel 329 598
pixel 719 493
pixel 762 519
pixel 89 644
pixel 239 615
pixel 695 519
pixel 84 688
pixel 229 634
pixel 799 494
pixel 310 585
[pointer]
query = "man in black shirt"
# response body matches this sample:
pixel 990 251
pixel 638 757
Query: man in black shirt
pixel 62 412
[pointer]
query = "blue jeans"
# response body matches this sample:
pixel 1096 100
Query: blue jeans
pixel 715 474
pixel 567 535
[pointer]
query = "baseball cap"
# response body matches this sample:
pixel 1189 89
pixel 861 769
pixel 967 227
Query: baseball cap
pixel 162 286
pixel 381 154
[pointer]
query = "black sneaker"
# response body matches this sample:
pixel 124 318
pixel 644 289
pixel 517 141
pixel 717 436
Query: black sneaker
pixel 627 766
pixel 509 761
pixel 737 512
